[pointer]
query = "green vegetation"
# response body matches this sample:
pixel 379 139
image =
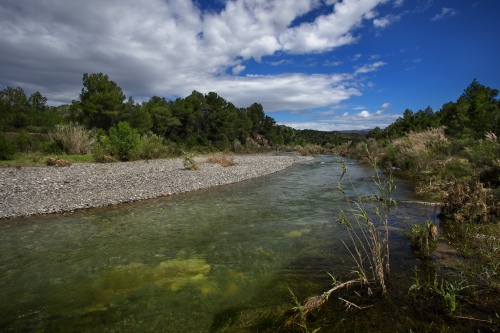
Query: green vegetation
pixel 110 126
pixel 454 156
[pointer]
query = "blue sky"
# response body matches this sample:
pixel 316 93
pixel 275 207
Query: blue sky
pixel 318 64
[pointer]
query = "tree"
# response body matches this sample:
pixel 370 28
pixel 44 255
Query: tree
pixel 481 107
pixel 14 108
pixel 137 116
pixel 101 101
pixel 375 133
pixel 256 114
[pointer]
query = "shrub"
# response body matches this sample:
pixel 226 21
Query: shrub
pixel 23 141
pixel 190 163
pixel 151 146
pixel 123 140
pixel 7 149
pixel 72 138
pixel 469 202
pixel 415 151
pixel 308 150
pixel 423 238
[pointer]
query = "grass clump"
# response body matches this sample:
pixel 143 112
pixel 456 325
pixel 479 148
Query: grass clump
pixel 51 161
pixel 221 159
pixel 423 238
pixel 190 162
pixel 72 138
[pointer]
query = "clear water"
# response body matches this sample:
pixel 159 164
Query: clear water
pixel 196 262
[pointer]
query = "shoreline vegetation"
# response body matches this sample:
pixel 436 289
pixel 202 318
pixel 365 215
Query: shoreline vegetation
pixel 452 155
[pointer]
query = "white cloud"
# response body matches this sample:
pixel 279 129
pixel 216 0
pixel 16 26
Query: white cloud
pixel 398 3
pixel 170 48
pixel 445 13
pixel 346 122
pixel 370 67
pixel 364 114
pixel 386 21
pixel 328 31
pixel 238 69
pixel 386 106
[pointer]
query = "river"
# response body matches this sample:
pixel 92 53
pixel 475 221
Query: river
pixel 204 261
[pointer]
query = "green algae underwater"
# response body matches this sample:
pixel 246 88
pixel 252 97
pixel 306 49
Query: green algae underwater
pixel 216 260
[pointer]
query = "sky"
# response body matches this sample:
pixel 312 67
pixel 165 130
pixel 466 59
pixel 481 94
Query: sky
pixel 313 64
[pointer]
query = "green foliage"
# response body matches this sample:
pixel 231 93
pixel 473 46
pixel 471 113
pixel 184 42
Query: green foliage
pixel 151 146
pixel 123 140
pixel 423 238
pixel 475 113
pixel 190 163
pixel 23 141
pixel 7 148
pixel 101 101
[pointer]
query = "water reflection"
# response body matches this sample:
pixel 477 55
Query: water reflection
pixel 188 263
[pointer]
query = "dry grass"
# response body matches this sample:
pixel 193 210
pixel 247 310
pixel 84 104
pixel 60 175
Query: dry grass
pixel 417 150
pixel 57 162
pixel 221 159
pixel 73 139
pixel 308 150
pixel 469 202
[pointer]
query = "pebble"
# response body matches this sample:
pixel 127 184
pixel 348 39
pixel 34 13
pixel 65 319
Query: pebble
pixel 42 190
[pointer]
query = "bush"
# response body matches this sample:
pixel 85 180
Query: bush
pixel 7 149
pixel 423 238
pixel 123 140
pixel 190 163
pixel 308 150
pixel 151 146
pixel 72 138
pixel 415 151
pixel 23 141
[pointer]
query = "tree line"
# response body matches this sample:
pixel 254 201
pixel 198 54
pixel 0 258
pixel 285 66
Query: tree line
pixel 198 120
pixel 475 113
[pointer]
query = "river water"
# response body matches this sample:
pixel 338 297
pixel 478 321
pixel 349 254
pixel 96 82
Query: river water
pixel 204 261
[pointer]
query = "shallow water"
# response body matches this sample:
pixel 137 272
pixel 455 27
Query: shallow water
pixel 196 262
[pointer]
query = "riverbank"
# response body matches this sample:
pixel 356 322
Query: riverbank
pixel 42 190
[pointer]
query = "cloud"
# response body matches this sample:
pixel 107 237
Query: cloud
pixel 398 3
pixel 370 67
pixel 445 13
pixel 385 106
pixel 170 48
pixel 386 21
pixel 238 69
pixel 346 122
pixel 363 114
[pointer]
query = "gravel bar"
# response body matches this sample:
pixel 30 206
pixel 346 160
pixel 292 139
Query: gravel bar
pixel 41 190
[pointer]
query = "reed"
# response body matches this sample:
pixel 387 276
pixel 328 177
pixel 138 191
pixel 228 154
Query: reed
pixel 368 228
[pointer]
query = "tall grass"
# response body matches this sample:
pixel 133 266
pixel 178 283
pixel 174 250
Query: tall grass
pixel 368 229
pixel 72 138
